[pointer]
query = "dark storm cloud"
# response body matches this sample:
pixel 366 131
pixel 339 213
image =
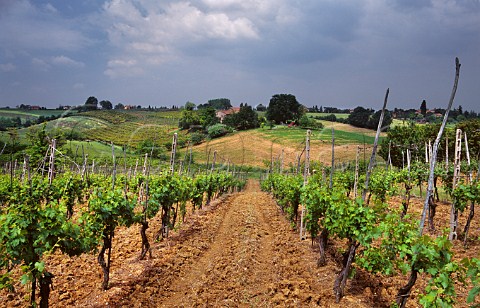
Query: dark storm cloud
pixel 163 52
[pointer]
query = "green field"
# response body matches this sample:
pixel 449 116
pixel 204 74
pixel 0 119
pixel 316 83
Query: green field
pixel 342 136
pixel 323 114
pixel 32 114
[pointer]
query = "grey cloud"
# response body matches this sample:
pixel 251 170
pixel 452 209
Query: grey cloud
pixel 27 27
pixel 321 32
pixel 410 5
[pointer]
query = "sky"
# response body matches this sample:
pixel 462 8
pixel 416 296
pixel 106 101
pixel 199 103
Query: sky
pixel 335 53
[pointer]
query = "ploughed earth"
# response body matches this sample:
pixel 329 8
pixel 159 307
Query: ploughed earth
pixel 239 251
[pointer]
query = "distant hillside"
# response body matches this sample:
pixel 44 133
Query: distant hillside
pixel 256 147
pixel 92 132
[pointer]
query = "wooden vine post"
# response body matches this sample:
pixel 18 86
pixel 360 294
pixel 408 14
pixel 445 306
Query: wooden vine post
pixel 426 153
pixel 456 173
pixel 114 172
pixel 446 153
pixel 435 147
pixel 375 145
pixel 332 169
pixel 408 186
pixel 323 237
pixel 26 169
pixel 189 161
pixel 355 183
pixel 51 165
pixel 145 166
pixel 135 170
pixel 467 154
pixel 472 203
pixel 305 180
pixel 144 193
pixel 404 292
pixel 341 280
pixel 173 153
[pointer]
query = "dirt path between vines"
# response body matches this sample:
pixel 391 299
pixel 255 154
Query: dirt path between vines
pixel 239 251
pixel 244 254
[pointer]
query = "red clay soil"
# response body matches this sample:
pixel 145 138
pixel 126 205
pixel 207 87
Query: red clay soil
pixel 239 251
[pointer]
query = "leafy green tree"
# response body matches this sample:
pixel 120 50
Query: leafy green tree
pixel 190 106
pixel 189 118
pixel 90 104
pixel 375 118
pixel 105 104
pixel 208 117
pixel 220 103
pixel 246 118
pixel 359 117
pixel 261 107
pixel 119 106
pixel 283 108
pixel 423 108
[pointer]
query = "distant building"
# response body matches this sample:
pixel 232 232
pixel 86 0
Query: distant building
pixel 221 114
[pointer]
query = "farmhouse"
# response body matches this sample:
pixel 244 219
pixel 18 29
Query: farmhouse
pixel 221 114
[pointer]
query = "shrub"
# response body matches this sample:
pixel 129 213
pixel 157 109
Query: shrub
pixel 306 122
pixel 197 138
pixel 218 130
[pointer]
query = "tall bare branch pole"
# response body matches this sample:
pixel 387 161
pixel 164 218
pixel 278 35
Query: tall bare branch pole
pixel 435 146
pixel 341 280
pixel 375 145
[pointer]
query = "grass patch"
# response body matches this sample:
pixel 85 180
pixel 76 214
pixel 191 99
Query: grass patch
pixel 297 135
pixel 323 114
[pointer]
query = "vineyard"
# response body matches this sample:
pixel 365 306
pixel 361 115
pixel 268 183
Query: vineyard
pixel 76 233
pixel 323 226
pixel 171 240
pixel 77 214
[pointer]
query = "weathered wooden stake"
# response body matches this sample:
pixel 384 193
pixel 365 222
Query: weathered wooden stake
pixel 305 179
pixel 446 153
pixel 332 169
pixel 145 165
pixel 51 164
pixel 375 145
pixel 173 153
pixel 456 174
pixel 114 171
pixel 355 183
pixel 435 147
